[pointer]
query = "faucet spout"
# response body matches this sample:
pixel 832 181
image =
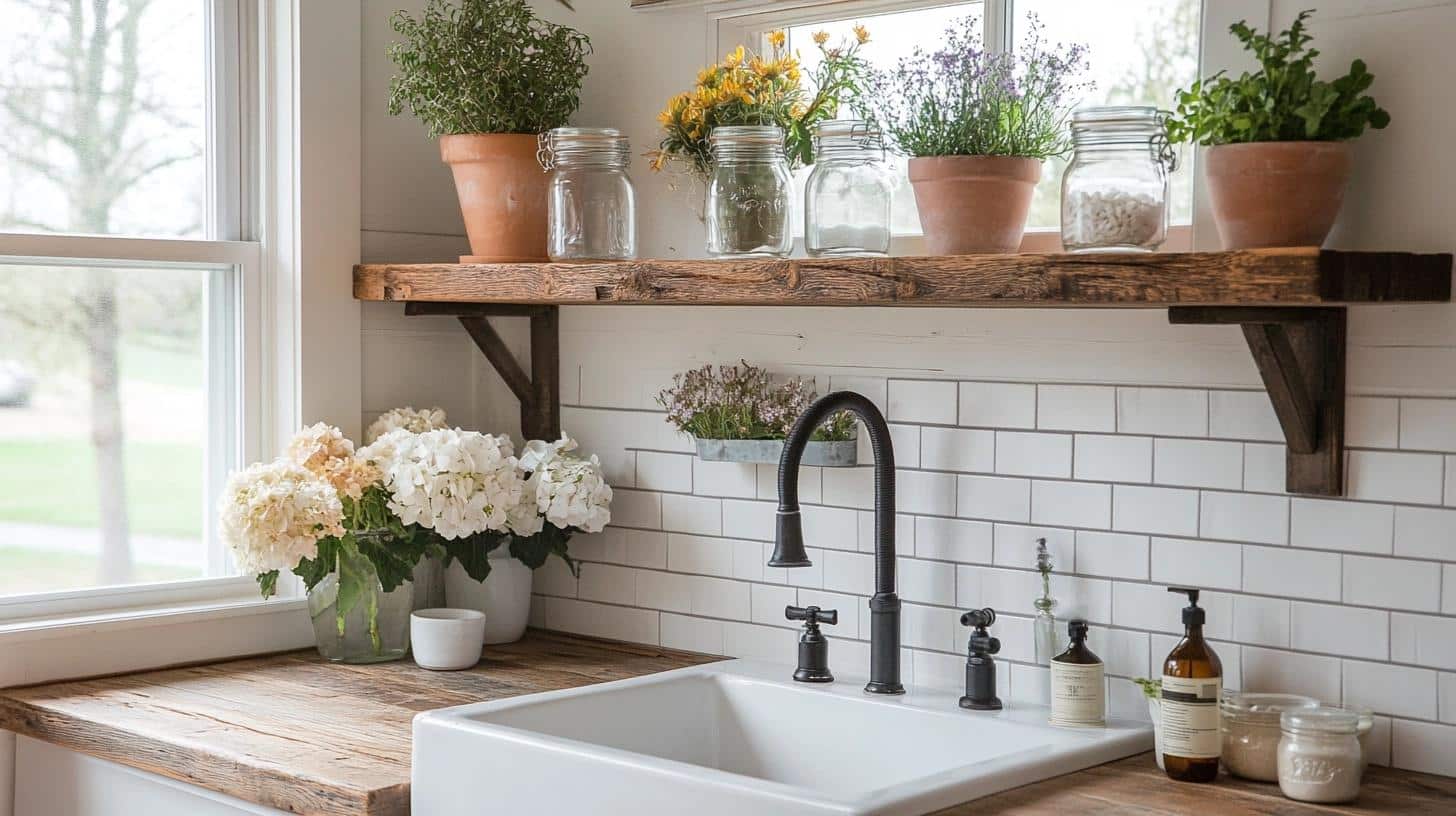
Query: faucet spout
pixel 789 529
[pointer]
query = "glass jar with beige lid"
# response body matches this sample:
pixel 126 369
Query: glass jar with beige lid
pixel 1320 759
pixel 1250 729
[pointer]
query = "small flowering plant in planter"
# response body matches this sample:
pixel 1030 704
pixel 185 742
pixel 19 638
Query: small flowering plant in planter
pixel 740 414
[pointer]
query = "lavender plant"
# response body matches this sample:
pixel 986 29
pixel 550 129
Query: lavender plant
pixel 743 402
pixel 962 100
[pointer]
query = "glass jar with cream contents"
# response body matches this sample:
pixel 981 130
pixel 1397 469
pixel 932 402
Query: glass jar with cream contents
pixel 1250 731
pixel 1320 759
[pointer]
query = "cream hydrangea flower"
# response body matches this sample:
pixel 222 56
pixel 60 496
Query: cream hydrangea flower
pixel 407 418
pixel 272 515
pixel 455 482
pixel 323 450
pixel 564 490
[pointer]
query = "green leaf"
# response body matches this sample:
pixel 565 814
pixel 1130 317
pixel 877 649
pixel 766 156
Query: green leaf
pixel 552 540
pixel 268 583
pixel 356 577
pixel 313 570
pixel 473 553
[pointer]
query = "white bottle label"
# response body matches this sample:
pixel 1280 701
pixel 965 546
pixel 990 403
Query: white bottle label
pixel 1079 694
pixel 1190 716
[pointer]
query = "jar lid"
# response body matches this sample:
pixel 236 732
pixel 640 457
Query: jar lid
pixel 1320 720
pixel 852 134
pixel 747 134
pixel 564 145
pixel 1262 709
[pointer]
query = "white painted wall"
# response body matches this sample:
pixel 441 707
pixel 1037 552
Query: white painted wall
pixel 684 566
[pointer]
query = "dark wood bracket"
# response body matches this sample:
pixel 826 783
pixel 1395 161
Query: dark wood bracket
pixel 540 392
pixel 1300 353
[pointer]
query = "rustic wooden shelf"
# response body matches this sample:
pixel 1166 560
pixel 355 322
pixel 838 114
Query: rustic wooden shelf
pixel 1291 303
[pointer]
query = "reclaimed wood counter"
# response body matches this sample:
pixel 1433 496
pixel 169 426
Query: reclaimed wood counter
pixel 292 732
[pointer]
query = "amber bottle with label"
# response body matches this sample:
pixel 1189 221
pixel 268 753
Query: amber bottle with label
pixel 1192 683
pixel 1078 687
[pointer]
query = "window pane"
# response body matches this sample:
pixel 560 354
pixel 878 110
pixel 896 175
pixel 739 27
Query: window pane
pixel 1140 53
pixel 103 418
pixel 104 117
pixel 892 37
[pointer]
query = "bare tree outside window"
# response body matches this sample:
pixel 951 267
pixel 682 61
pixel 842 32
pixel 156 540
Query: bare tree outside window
pixel 103 123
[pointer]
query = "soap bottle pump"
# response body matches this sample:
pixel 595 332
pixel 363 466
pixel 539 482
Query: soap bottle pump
pixel 1192 683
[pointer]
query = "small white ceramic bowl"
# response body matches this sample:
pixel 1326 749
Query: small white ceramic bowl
pixel 447 639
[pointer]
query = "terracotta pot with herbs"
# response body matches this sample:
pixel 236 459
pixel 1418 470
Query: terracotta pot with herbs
pixel 1278 140
pixel 486 77
pixel 978 126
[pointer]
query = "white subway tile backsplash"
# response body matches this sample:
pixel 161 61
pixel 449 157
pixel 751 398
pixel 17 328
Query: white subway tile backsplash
pixel 607 583
pixel 1261 621
pixel 906 441
pixel 1163 510
pixel 834 528
pixel 937 670
pixel 849 487
pixel 1397 691
pixel 929 627
pixel 1153 607
pixel 849 608
pixel 1076 408
pixel 1425 532
pixel 1424 747
pixel 692 634
pixel 1370 422
pixel 1109 458
pixel 923 401
pixel 875 388
pixel 1341 525
pixel 768 603
pixel 1428 424
pixel 719 598
pixel 953 540
pixel 904 532
pixel 1016 546
pixel 1162 411
pixel 773 643
pixel 849 572
pixel 930 582
pixel 1292 573
pixel 1019 453
pixel 1264 468
pixel 1392 583
pixel 1071 504
pixel 1246 415
pixel 962 449
pixel 1446 697
pixel 993 498
pixel 700 555
pixel 746 519
pixel 664 590
pixel 1451 481
pixel 642 548
pixel 810 484
pixel 997 405
pixel 1188 562
pixel 1413 478
pixel 671 472
pixel 1448 589
pixel 601 620
pixel 555 578
pixel 1340 630
pixel 1272 670
pixel 1198 463
pixel 1244 517
pixel 636 508
pixel 735 480
pixel 692 514
pixel 917 491
pixel 1123 652
pixel 1425 640
pixel 1112 555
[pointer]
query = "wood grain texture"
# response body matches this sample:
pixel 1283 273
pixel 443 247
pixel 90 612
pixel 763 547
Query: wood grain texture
pixel 293 732
pixel 1301 276
pixel 1135 787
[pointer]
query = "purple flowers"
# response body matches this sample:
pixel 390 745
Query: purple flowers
pixel 743 402
pixel 962 100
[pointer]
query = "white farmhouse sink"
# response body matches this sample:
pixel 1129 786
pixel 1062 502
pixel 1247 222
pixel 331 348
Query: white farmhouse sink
pixel 739 737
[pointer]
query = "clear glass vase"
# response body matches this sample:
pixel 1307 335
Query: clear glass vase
pixel 372 628
pixel 1048 639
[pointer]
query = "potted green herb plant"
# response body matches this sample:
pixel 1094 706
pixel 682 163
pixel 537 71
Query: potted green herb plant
pixel 739 414
pixel 1278 139
pixel 978 126
pixel 486 77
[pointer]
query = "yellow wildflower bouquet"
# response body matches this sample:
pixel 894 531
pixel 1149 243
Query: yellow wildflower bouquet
pixel 753 89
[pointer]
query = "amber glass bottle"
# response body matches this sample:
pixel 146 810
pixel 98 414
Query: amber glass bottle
pixel 1192 682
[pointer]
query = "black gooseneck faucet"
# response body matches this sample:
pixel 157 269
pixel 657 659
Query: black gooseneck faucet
pixel 789 534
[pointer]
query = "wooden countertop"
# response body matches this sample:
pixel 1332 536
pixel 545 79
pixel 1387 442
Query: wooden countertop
pixel 295 733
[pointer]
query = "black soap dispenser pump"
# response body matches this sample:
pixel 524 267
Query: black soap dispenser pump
pixel 1192 684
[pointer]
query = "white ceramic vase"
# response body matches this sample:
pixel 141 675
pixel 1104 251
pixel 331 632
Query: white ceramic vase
pixel 504 596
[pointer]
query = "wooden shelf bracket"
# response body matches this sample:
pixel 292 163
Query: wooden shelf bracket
pixel 539 392
pixel 1300 354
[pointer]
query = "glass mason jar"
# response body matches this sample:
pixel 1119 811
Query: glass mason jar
pixel 1319 755
pixel 847 197
pixel 375 629
pixel 1115 191
pixel 1249 726
pixel 749 196
pixel 591 212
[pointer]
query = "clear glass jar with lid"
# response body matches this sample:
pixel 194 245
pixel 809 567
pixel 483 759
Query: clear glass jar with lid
pixel 591 212
pixel 1249 726
pixel 1319 755
pixel 1115 191
pixel 847 197
pixel 750 193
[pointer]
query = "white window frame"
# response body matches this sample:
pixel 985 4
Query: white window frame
pixel 748 21
pixel 285 100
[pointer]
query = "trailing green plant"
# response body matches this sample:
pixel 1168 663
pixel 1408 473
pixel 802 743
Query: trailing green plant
pixel 486 66
pixel 1283 101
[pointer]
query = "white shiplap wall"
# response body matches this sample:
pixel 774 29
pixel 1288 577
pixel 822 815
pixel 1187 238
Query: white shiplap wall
pixel 1146 453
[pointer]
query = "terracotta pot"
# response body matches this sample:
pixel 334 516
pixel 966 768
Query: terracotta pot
pixel 502 191
pixel 1276 194
pixel 973 204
